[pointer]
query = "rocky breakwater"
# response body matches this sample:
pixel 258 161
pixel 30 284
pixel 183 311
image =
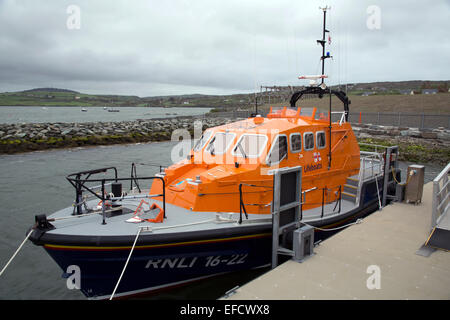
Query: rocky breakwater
pixel 415 145
pixel 22 137
pixel 430 145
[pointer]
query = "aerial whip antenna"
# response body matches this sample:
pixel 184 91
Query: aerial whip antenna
pixel 323 41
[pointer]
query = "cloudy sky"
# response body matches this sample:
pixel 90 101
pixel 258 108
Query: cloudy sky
pixel 149 48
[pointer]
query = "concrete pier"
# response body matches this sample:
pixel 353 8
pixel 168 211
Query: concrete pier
pixel 347 265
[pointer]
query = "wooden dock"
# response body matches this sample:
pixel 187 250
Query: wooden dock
pixel 347 265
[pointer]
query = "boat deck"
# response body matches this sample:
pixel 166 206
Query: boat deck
pixel 177 220
pixel 341 266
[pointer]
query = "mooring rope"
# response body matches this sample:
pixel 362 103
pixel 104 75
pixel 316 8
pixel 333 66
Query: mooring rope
pixel 17 251
pixel 408 179
pixel 126 263
pixel 358 221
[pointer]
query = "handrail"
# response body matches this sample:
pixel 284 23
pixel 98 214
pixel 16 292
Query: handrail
pixel 241 201
pixel 337 200
pixel 80 184
pixel 343 114
pixel 376 160
pixel 440 196
pixel 384 161
pixel 442 173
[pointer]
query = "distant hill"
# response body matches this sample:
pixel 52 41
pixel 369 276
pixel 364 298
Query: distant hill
pixel 66 97
pixel 50 90
pixel 400 85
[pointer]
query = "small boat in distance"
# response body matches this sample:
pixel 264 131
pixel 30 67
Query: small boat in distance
pixel 113 110
pixel 84 110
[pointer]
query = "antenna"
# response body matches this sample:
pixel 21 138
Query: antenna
pixel 323 41
pixel 326 55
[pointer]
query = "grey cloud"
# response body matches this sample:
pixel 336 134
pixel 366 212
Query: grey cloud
pixel 154 47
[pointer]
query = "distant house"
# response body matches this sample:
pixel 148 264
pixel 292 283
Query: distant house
pixel 429 91
pixel 407 92
pixel 186 102
pixel 367 93
pixel 50 96
pixel 77 98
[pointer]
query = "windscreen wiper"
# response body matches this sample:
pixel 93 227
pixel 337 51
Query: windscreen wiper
pixel 242 151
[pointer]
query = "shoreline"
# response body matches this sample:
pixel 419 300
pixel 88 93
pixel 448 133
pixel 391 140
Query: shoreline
pixel 429 146
pixel 28 137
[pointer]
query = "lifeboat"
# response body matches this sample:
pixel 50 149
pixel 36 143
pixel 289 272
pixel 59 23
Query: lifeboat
pixel 211 213
pixel 245 152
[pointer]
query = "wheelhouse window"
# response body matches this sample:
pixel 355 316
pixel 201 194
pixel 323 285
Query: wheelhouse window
pixel 202 141
pixel 320 140
pixel 250 145
pixel 296 142
pixel 220 143
pixel 308 138
pixel 278 151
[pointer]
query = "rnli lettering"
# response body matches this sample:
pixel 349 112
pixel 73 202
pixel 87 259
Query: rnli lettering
pixel 312 167
pixel 210 261
pixel 171 263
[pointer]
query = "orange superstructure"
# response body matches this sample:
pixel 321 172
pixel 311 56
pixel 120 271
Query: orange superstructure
pixel 246 151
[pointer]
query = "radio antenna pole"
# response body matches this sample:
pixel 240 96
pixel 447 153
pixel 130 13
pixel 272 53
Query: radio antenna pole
pixel 325 55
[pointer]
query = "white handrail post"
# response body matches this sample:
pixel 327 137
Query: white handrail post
pixel 434 204
pixel 437 196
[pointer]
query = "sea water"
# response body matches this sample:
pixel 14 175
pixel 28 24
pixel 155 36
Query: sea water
pixel 93 114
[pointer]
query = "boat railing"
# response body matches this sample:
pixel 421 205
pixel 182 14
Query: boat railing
pixel 133 173
pixel 337 201
pixel 371 166
pixel 82 181
pixel 324 202
pixel 441 196
pixel 242 205
pixel 375 164
pixel 342 118
pixel 325 191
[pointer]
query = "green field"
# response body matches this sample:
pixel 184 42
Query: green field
pixel 58 97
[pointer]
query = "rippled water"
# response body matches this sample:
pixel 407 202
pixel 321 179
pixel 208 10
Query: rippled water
pixel 34 183
pixel 93 114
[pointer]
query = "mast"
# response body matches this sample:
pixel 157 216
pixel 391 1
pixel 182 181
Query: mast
pixel 323 41
pixel 321 90
pixel 322 85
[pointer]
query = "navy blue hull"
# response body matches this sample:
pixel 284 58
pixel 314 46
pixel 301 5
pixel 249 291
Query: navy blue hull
pixel 155 268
